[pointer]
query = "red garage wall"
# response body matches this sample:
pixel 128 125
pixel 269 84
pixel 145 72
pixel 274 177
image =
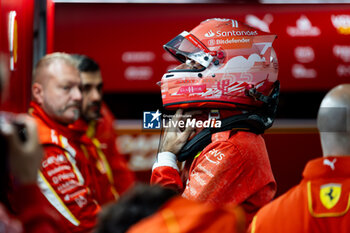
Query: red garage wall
pixel 126 39
pixel 289 151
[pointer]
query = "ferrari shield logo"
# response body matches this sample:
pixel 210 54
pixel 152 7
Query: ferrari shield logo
pixel 330 194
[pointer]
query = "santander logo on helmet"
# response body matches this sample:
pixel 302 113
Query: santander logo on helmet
pixel 241 57
pixel 231 31
pixel 209 34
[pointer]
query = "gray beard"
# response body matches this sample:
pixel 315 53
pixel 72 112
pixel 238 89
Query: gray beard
pixel 76 114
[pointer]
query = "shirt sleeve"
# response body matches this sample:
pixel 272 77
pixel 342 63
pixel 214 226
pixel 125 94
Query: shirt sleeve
pixel 227 173
pixel 35 212
pixel 165 172
pixel 64 187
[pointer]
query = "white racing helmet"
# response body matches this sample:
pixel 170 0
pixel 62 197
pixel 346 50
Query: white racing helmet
pixel 232 60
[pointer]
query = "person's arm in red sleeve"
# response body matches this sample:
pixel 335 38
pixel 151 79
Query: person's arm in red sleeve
pixel 35 213
pixel 25 156
pixel 229 172
pixel 165 172
pixel 64 187
pixel 218 175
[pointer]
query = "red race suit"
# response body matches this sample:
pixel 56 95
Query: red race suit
pixel 102 134
pixel 34 214
pixel 233 169
pixel 187 216
pixel 66 177
pixel 319 203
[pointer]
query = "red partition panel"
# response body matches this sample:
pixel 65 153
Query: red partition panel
pixel 50 25
pixel 313 43
pixel 16 43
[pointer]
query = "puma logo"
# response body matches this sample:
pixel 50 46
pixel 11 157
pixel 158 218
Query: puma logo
pixel 263 25
pixel 329 163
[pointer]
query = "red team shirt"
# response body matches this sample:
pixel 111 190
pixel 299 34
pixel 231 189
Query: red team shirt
pixel 233 169
pixel 81 169
pixel 104 137
pixel 182 215
pixel 320 203
pixel 66 179
pixel 33 213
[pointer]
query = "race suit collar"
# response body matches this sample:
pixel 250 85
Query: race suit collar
pixel 38 112
pixel 330 167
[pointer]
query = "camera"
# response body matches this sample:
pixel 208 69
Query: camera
pixel 7 119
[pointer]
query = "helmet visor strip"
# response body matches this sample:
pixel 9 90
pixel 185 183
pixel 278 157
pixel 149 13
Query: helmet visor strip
pixel 186 46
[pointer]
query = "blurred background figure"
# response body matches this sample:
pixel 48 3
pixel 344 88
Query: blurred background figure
pixel 100 125
pixel 320 203
pixel 227 163
pixel 66 178
pixel 159 210
pixel 23 208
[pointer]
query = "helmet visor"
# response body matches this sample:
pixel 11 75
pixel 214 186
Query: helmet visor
pixel 186 46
